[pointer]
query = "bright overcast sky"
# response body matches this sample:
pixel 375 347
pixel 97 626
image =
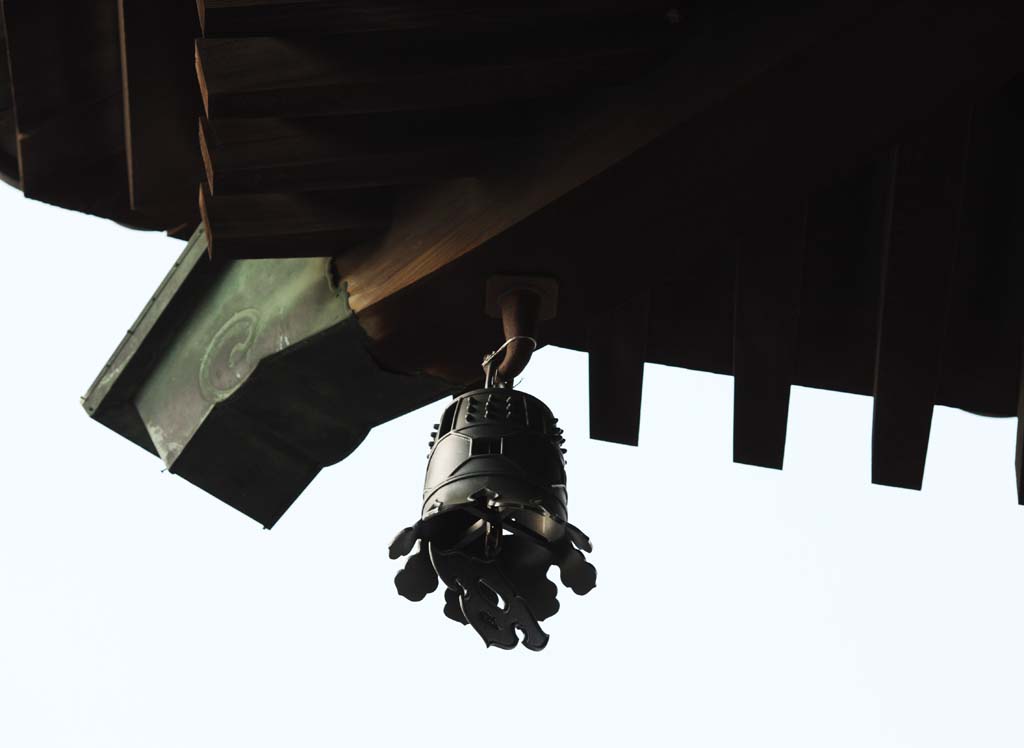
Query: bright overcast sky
pixel 735 606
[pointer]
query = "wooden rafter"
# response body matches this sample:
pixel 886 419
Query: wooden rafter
pixel 333 16
pixel 8 128
pixel 323 153
pixel 65 76
pixel 925 199
pixel 617 342
pixel 1019 461
pixel 317 224
pixel 986 315
pixel 275 76
pixel 453 220
pixel 52 100
pixel 768 281
pixel 161 104
pixel 841 276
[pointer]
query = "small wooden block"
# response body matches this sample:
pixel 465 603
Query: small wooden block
pixel 921 238
pixel 617 341
pixel 768 281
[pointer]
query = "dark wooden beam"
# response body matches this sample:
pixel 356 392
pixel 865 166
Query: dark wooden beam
pixel 270 77
pixel 8 127
pixel 594 147
pixel 77 162
pixel 62 55
pixel 663 179
pixel 311 225
pixel 68 117
pixel 841 277
pixel 65 77
pixel 986 307
pixel 9 171
pixel 617 343
pixel 220 17
pixel 1019 462
pixel 299 155
pixel 6 97
pixel 1013 271
pixel 921 236
pixel 70 144
pixel 161 104
pixel 100 190
pixel 771 234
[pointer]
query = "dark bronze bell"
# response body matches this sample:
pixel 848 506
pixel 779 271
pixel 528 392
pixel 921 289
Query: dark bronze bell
pixel 494 518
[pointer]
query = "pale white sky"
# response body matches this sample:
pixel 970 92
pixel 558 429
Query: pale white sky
pixel 734 606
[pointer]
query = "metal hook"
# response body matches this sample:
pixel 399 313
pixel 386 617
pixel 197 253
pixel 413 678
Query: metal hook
pixel 491 371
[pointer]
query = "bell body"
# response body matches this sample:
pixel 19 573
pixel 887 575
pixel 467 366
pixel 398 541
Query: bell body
pixel 494 520
pixel 502 447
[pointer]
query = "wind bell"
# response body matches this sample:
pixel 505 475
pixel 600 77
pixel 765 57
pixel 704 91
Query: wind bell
pixel 494 516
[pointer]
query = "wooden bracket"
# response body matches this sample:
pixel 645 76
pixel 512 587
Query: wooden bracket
pixel 545 288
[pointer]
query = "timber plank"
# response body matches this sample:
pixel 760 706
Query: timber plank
pixel 70 144
pixel 65 72
pixel 275 225
pixel 9 171
pixel 617 344
pixel 101 190
pixel 9 145
pixel 6 99
pixel 228 17
pixel 825 104
pixel 268 76
pixel 62 56
pixel 925 201
pixel 298 155
pixel 769 268
pixel 599 140
pixel 1014 270
pixel 161 104
pixel 1019 461
pixel 985 306
pixel 841 277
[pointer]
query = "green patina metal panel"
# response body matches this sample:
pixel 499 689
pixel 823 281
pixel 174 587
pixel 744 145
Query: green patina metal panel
pixel 247 378
pixel 254 310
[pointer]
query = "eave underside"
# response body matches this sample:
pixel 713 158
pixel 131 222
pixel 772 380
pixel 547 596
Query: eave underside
pixel 827 195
